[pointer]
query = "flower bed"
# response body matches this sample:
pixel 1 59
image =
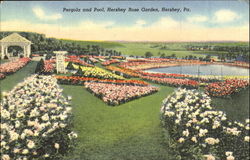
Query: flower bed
pixel 108 62
pixel 12 67
pixel 226 88
pixel 78 62
pixel 97 72
pixel 48 67
pixel 185 83
pixel 126 72
pixel 36 121
pixel 114 94
pixel 197 131
pixel 80 80
pixel 157 64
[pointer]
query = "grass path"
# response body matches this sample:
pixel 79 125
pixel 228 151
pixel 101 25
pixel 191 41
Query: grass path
pixel 10 81
pixel 130 131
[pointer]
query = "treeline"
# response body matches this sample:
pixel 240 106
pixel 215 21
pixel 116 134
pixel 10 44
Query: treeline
pixel 238 52
pixel 43 45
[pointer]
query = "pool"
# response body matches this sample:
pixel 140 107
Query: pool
pixel 211 69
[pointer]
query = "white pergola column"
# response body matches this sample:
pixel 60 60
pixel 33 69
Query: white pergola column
pixel 2 51
pixel 28 50
pixel 24 51
pixel 6 51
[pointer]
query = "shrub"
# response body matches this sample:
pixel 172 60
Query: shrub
pixel 196 130
pixel 36 121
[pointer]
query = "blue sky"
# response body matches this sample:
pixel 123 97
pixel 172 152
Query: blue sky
pixel 205 21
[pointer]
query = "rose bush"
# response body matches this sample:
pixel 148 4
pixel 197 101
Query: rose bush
pixel 36 121
pixel 197 131
pixel 2 76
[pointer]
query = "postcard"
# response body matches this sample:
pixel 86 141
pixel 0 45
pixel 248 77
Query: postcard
pixel 124 80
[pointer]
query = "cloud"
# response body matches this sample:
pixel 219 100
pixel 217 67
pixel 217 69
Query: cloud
pixel 140 22
pixel 197 18
pixel 164 29
pixel 39 12
pixel 91 24
pixel 225 15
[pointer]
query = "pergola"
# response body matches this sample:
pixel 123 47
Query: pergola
pixel 15 40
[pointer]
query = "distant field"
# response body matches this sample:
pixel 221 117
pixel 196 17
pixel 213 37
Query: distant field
pixel 139 49
pixel 169 48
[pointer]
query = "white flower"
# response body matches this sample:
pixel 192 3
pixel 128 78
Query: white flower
pixel 247 120
pixel 194 139
pixel 212 141
pixel 209 157
pixel 25 151
pixel 230 158
pixel 16 150
pixel 228 153
pixel 62 125
pixel 180 140
pixel 169 114
pixel 56 145
pixel 202 132
pixel 31 144
pixel 5 157
pixel 13 135
pixel 246 138
pixel 45 117
pixel 17 124
pixel 216 124
pixel 46 155
pixel 185 133
pixel 3 143
pixel 5 114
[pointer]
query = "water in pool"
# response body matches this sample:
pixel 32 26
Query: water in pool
pixel 204 70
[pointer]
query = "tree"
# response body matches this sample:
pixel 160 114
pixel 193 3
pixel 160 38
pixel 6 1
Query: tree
pixel 70 66
pixel 39 67
pixel 79 72
pixel 208 58
pixel 163 55
pixel 148 54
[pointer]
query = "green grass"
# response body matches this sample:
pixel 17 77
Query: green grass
pixel 3 61
pixel 11 80
pixel 129 131
pixel 139 49
pixel 236 107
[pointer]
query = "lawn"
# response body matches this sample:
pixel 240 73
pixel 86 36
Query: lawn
pixel 129 131
pixel 236 107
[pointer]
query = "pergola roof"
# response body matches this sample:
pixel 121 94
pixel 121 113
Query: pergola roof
pixel 14 37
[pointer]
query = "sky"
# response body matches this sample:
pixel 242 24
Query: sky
pixel 204 21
